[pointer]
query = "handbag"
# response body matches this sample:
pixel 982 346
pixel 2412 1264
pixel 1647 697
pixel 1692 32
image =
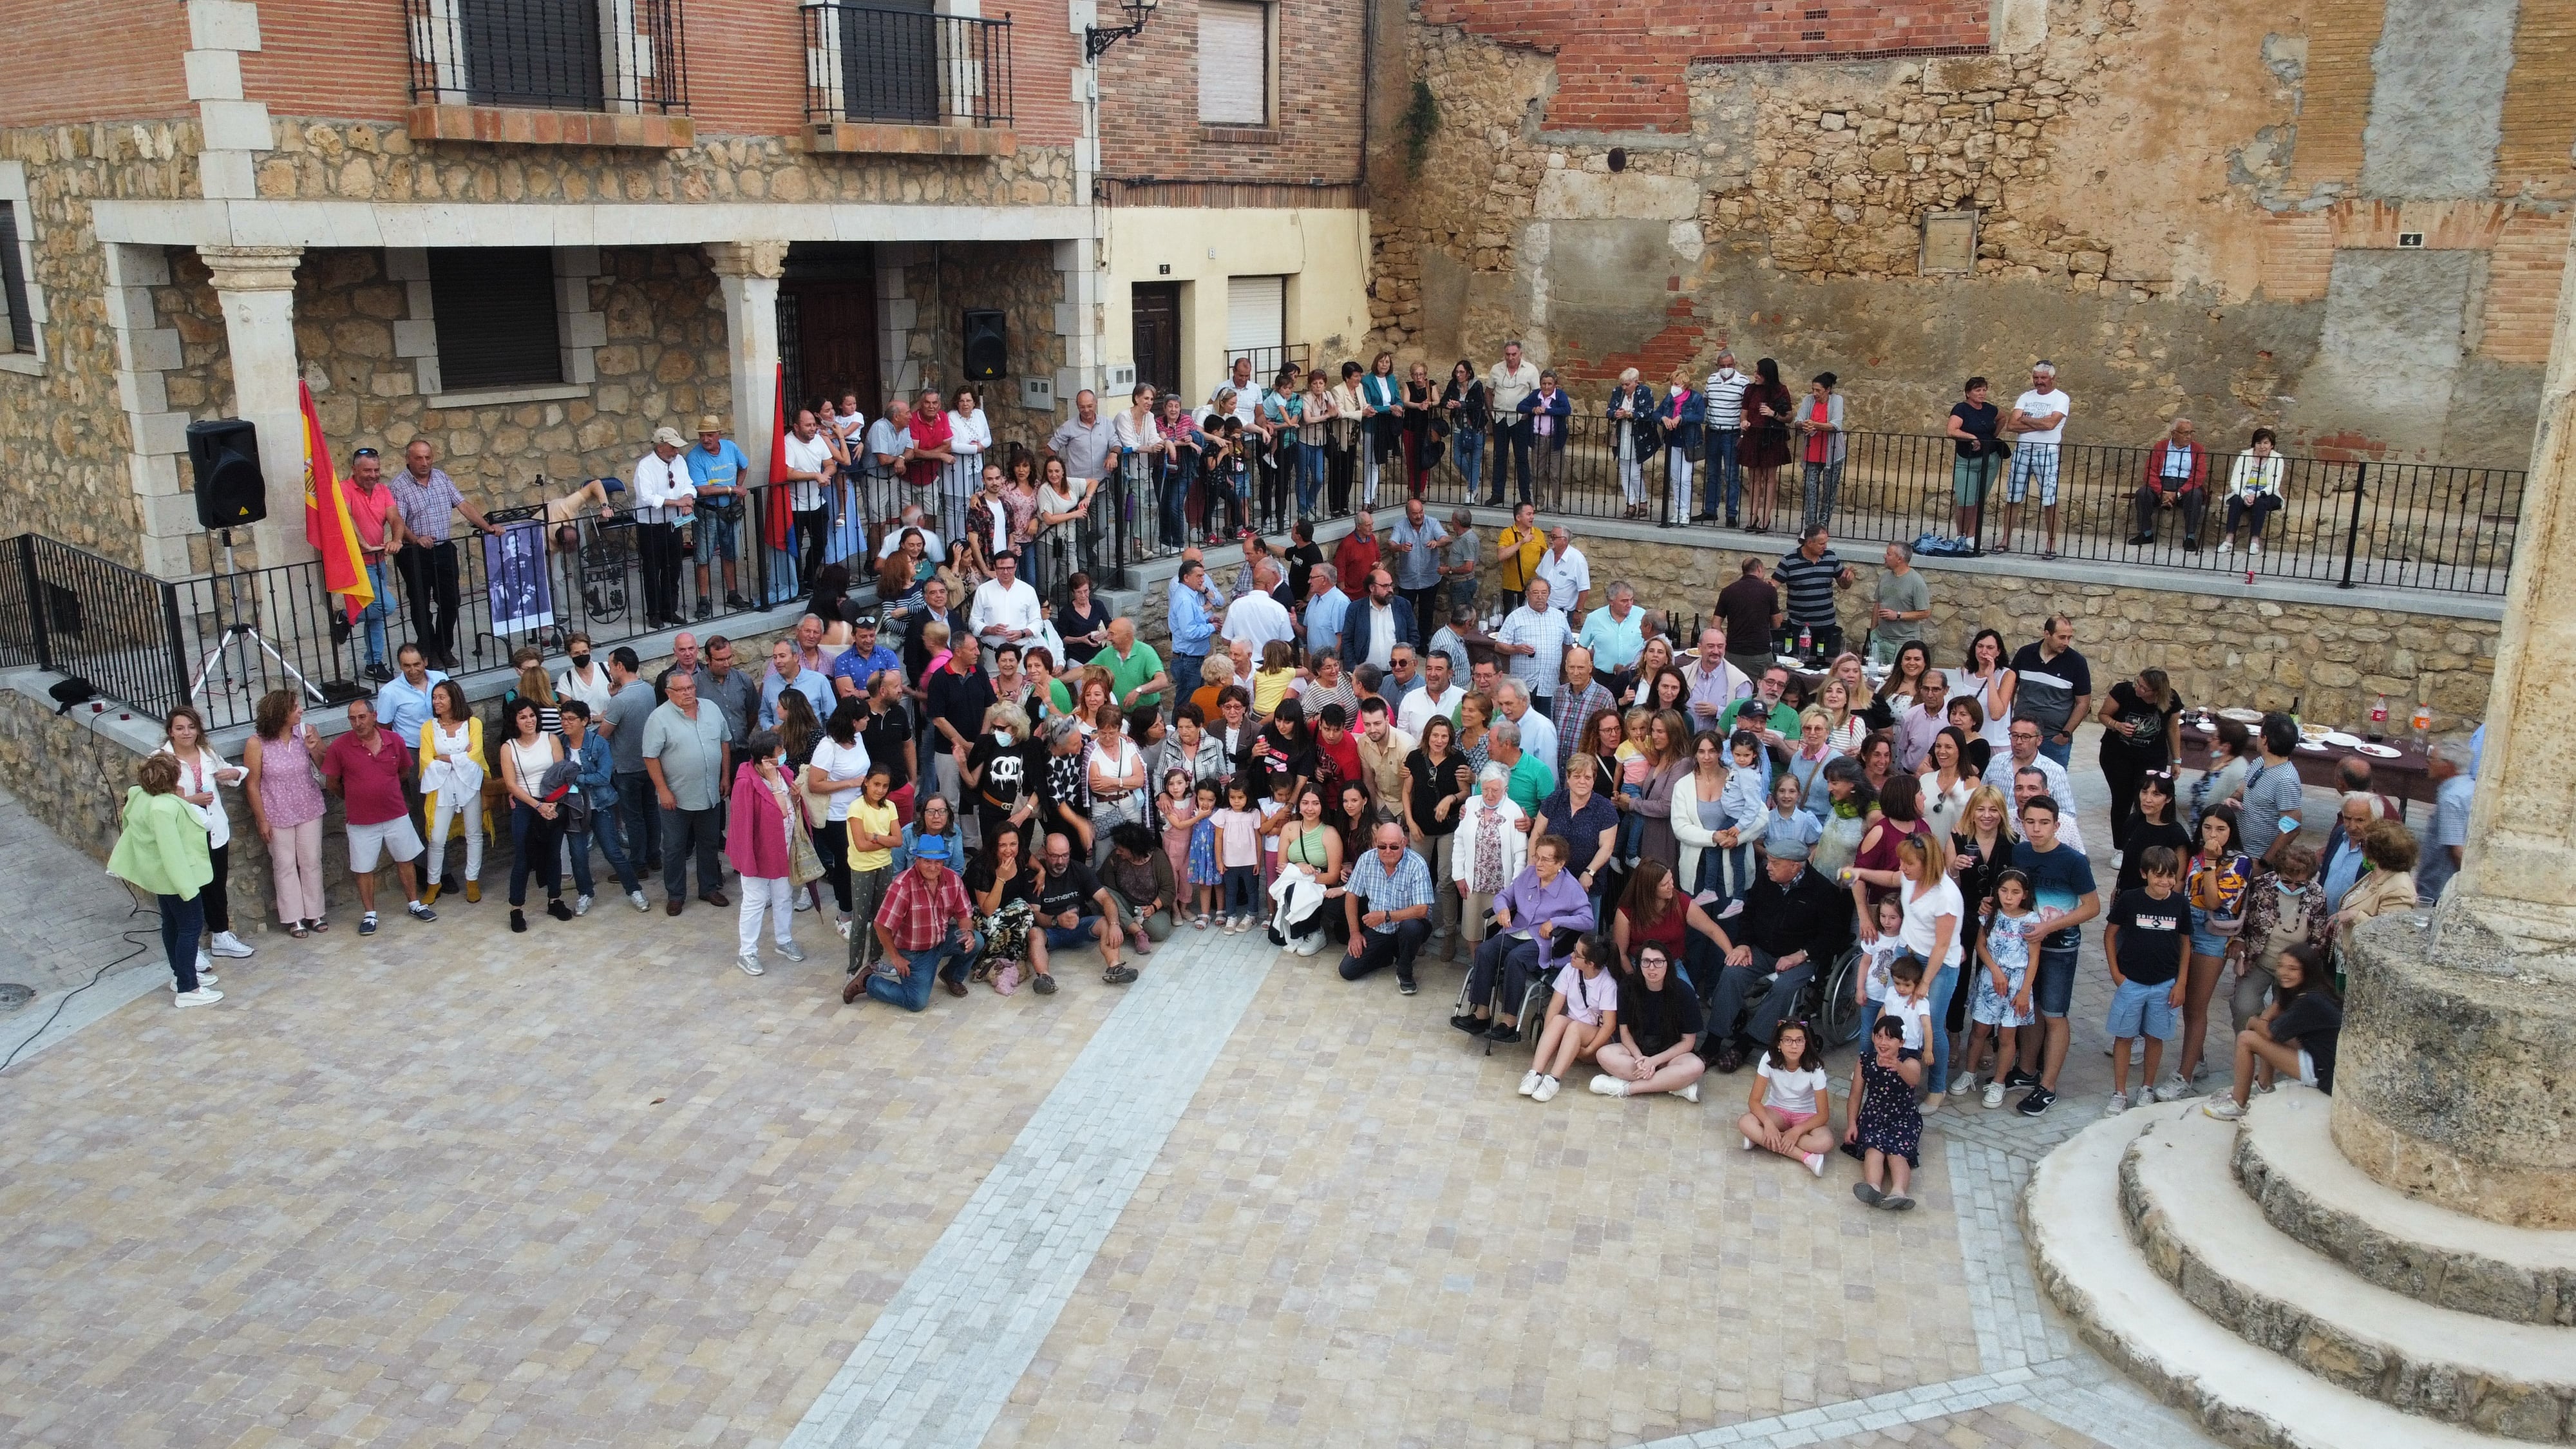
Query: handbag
pixel 804 864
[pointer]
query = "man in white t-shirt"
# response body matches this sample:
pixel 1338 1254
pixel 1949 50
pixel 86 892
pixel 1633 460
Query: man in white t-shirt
pixel 1006 610
pixel 809 459
pixel 2039 419
pixel 1258 617
pixel 1437 696
pixel 1567 571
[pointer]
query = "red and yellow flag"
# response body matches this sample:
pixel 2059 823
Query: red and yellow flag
pixel 326 517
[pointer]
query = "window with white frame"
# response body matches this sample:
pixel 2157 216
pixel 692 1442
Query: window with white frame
pixel 1234 63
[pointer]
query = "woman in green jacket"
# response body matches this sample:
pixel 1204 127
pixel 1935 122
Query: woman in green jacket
pixel 161 847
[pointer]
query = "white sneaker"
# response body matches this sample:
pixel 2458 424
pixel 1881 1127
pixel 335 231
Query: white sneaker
pixel 226 943
pixel 1815 1163
pixel 1546 1090
pixel 749 963
pixel 1747 1141
pixel 204 978
pixel 1606 1085
pixel 2227 545
pixel 1962 1084
pixel 1529 1082
pixel 791 950
pixel 202 996
pixel 1689 1092
pixel 1994 1094
pixel 2173 1089
pixel 2222 1108
pixel 843 927
pixel 2255 547
pixel 1931 1106
pixel 1311 944
pixel 2118 1104
pixel 636 899
pixel 205 964
pixel 581 905
pixel 804 902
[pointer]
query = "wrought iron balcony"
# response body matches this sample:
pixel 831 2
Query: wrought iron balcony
pixel 873 65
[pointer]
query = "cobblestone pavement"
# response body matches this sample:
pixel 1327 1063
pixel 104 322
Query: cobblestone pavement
pixel 591 1185
pixel 71 919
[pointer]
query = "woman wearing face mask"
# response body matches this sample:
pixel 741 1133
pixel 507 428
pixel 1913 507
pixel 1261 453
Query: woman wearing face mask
pixel 760 818
pixel 583 681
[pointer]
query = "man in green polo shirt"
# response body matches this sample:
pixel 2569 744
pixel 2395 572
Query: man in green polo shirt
pixel 1530 781
pixel 1136 677
pixel 1762 711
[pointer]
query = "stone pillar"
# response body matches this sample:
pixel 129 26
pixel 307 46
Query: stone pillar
pixel 748 273
pixel 255 288
pixel 2453 1080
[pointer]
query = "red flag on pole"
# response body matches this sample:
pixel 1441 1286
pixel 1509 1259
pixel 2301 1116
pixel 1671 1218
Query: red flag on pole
pixel 774 525
pixel 326 517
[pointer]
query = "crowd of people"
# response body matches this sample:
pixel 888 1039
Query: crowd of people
pixel 1652 849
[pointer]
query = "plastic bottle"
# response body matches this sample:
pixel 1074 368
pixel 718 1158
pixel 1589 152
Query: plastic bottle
pixel 2379 718
pixel 1806 642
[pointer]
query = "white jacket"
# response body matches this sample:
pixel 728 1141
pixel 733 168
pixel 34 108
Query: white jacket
pixel 2250 477
pixel 1691 837
pixel 1477 816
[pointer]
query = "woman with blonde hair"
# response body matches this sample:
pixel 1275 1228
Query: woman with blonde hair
pixel 451 784
pixel 2388 885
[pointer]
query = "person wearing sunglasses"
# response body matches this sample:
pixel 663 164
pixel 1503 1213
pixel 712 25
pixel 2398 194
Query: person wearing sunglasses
pixel 1388 901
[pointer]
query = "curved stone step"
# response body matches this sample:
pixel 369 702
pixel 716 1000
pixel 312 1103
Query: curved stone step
pixel 2206 1237
pixel 2288 1164
pixel 2088 1266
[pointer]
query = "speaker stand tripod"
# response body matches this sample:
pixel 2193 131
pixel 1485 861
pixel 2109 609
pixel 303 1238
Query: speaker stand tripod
pixel 233 634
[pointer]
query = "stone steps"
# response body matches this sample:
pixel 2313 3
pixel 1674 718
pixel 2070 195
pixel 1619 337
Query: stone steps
pixel 2089 1267
pixel 2288 1163
pixel 2212 1243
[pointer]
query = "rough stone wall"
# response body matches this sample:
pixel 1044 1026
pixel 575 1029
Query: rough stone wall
pixel 2145 218
pixel 1019 278
pixel 664 362
pixel 2334 661
pixel 380 162
pixel 63 436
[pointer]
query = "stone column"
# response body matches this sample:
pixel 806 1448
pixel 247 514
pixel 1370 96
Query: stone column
pixel 748 273
pixel 2453 1082
pixel 255 288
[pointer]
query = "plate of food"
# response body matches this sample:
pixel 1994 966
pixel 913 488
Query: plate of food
pixel 2242 716
pixel 2342 741
pixel 2376 752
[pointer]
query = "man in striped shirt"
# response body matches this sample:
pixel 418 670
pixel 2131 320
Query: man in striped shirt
pixel 1809 574
pixel 1725 427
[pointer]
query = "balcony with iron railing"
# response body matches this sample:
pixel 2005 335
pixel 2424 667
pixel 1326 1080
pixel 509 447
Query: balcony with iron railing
pixel 906 81
pixel 550 72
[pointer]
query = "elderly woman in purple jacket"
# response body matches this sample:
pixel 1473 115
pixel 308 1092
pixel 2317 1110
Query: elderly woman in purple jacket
pixel 1537 919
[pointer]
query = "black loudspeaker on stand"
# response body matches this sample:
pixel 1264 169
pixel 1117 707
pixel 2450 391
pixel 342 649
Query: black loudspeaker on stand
pixel 987 348
pixel 224 456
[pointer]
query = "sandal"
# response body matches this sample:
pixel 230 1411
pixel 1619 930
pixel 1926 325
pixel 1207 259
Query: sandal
pixel 297 931
pixel 319 924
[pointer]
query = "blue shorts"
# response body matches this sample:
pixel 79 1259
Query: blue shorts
pixel 2034 463
pixel 2138 1009
pixel 715 532
pixel 2054 992
pixel 1073 937
pixel 2204 941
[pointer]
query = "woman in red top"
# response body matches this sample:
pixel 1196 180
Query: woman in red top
pixel 1356 555
pixel 1900 806
pixel 1653 912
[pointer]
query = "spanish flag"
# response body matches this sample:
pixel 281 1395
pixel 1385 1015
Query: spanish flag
pixel 775 522
pixel 326 517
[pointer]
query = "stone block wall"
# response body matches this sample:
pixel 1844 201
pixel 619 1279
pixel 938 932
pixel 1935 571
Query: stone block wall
pixel 2219 650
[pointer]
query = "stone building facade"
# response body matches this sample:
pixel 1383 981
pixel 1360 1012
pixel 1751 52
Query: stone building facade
pixel 2250 216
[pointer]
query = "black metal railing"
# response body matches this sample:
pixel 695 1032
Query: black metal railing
pixel 2349 523
pixel 1266 361
pixel 564 55
pixel 908 67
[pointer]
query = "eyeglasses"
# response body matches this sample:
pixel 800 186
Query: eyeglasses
pixel 364 453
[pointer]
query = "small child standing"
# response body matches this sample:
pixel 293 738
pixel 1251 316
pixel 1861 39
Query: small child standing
pixel 1237 831
pixel 1886 1130
pixel 1270 682
pixel 1275 816
pixel 2142 938
pixel 1185 814
pixel 1634 766
pixel 1787 820
pixel 1877 956
pixel 2000 1006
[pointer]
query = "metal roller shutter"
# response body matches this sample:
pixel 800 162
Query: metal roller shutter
pixel 1256 313
pixel 1234 63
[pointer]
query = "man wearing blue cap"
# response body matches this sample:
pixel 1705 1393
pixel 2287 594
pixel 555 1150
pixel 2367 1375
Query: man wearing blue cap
pixel 927 928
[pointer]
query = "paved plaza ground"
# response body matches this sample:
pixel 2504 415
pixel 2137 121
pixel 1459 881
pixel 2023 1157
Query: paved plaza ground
pixel 592 1185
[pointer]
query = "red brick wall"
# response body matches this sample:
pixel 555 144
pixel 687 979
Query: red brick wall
pixel 1619 63
pixel 746 64
pixel 1149 100
pixel 110 60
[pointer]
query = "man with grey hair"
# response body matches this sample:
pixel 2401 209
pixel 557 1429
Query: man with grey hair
pixel 1725 428
pixel 1616 635
pixel 1904 602
pixel 2038 419
pixel 1510 380
pixel 1326 605
pixel 1258 617
pixel 2177 481
pixel 1086 440
pixel 1527 778
pixel 1415 541
pixel 2444 839
pixel 1512 706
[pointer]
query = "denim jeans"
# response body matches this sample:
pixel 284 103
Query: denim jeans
pixel 1468 447
pixel 380 576
pixel 1722 470
pixel 949 959
pixel 1185 680
pixel 637 820
pixel 1944 986
pixel 183 924
pixel 2049 746
pixel 532 848
pixel 608 846
pixel 1312 462
pixel 1175 510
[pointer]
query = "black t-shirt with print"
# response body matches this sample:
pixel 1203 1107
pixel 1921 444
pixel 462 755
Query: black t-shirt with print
pixel 2152 933
pixel 1075 889
pixel 1004 773
pixel 2147 724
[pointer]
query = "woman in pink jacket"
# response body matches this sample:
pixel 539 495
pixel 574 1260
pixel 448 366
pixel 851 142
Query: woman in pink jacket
pixel 756 841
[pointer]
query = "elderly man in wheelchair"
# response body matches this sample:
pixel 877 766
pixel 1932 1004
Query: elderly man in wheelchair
pixel 1786 950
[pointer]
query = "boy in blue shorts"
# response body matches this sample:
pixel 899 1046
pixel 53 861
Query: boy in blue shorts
pixel 2143 939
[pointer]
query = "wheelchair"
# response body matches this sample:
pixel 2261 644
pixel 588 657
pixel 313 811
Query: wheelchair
pixel 1825 1002
pixel 1533 1002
